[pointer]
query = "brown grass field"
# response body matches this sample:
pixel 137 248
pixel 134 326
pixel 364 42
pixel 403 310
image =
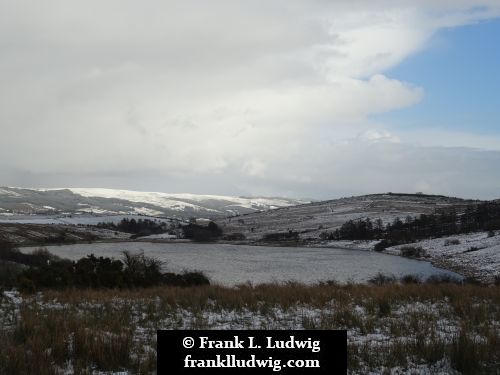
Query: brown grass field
pixel 394 326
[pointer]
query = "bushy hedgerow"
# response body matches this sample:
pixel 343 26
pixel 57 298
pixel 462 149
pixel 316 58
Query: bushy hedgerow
pixel 41 270
pixel 39 257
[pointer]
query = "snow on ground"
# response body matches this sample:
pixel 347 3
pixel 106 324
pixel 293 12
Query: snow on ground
pixel 77 219
pixel 474 254
pixel 366 330
pixel 181 202
pixel 40 233
pixel 10 303
pixel 96 210
pixel 13 296
pixel 9 192
pixel 310 220
pixel 107 201
pixel 147 211
pixel 172 200
pixel 351 245
pixel 161 236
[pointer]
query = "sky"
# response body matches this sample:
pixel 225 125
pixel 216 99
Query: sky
pixel 310 99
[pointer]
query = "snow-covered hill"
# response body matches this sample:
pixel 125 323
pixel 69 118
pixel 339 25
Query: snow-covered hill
pixel 473 254
pixel 111 201
pixel 310 220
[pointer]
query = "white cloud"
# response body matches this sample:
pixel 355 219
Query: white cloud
pixel 378 136
pixel 237 90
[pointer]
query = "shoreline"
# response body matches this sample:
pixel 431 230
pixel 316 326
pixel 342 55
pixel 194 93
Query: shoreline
pixel 223 249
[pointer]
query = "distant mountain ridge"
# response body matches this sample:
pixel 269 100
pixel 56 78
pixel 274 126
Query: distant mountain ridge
pixel 113 201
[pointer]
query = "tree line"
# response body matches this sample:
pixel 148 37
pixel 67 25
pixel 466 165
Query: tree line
pixel 478 217
pixel 141 227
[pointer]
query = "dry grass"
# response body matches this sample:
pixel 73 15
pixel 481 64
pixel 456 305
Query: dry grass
pixel 390 325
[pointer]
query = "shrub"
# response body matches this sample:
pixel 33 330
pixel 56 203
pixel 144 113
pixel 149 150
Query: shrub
pixel 88 272
pixel 9 252
pixel 330 282
pixel 411 279
pixel 465 354
pixel 471 249
pixel 281 236
pixel 382 279
pixel 186 279
pixel 202 234
pixel 93 272
pixel 325 235
pixel 26 284
pixel 141 270
pixel 382 245
pixel 443 279
pixel 56 275
pixel 472 280
pixel 6 245
pixel 451 241
pixel 9 271
pixel 234 237
pixel 135 270
pixel 384 308
pixel 195 278
pixel 412 251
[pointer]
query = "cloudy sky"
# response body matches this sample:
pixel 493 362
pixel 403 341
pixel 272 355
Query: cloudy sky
pixel 297 98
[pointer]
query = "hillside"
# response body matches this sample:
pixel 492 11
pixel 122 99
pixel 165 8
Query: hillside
pixel 474 254
pixel 125 202
pixel 46 235
pixel 310 220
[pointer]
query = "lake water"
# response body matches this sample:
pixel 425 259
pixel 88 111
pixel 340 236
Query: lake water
pixel 233 264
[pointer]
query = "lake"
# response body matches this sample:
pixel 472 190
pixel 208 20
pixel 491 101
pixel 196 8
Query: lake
pixel 233 264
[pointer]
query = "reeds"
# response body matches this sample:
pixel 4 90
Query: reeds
pixel 389 325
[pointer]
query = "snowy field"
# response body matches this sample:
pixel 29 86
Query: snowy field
pixel 393 329
pixel 77 219
pixel 310 220
pixel 233 264
pixel 475 254
pixel 181 201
